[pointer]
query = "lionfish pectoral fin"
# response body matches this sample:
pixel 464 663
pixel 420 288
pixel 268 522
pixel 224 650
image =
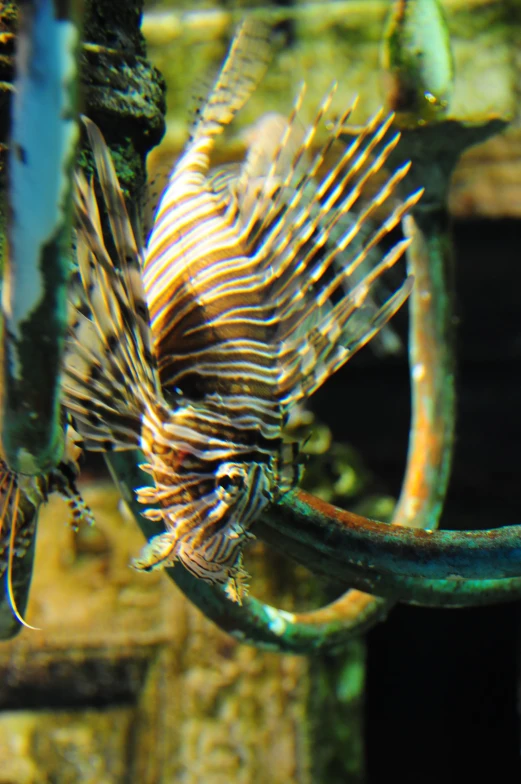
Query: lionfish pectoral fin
pixel 387 341
pixel 320 355
pixel 237 585
pixel 109 369
pixel 125 233
pixel 327 306
pixel 276 155
pixel 274 143
pixel 148 495
pixel 158 553
pixel 320 244
pixel 367 332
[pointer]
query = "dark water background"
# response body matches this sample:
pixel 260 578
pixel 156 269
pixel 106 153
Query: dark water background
pixel 442 702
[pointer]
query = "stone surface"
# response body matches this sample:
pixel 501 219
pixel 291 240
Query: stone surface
pixel 147 689
pixel 83 746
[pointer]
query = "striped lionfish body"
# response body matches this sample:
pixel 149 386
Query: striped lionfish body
pixel 237 309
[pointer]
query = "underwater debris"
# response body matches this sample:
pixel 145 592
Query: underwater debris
pixel 196 348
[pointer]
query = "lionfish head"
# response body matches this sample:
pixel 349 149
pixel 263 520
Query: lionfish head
pixel 206 494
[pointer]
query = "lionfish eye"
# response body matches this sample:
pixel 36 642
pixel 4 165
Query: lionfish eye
pixel 226 482
pixel 229 481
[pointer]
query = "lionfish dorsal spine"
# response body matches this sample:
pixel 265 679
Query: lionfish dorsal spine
pixel 239 75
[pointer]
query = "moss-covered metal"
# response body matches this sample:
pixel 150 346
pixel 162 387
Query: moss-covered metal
pixel 36 269
pixel 122 91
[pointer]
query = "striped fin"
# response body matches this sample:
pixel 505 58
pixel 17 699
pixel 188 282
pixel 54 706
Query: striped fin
pixel 109 367
pixel 350 325
pixel 62 479
pixel 278 139
pixel 278 154
pixel 275 297
pixel 325 308
pixel 20 499
pixel 125 236
pixel 301 289
pixel 165 549
pixel 215 108
pixel 240 74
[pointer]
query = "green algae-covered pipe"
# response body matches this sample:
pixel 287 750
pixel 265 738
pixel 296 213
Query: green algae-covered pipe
pixel 365 545
pixel 34 297
pixel 418 62
pixel 450 592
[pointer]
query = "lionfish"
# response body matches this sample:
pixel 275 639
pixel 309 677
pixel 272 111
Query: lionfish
pixel 196 347
pixel 20 499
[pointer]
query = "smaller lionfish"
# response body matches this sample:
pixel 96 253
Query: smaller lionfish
pixel 196 348
pixel 20 499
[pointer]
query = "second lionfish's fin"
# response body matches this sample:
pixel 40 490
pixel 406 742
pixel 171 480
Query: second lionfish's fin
pixel 20 499
pixel 62 479
pixel 109 369
pixel 17 531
